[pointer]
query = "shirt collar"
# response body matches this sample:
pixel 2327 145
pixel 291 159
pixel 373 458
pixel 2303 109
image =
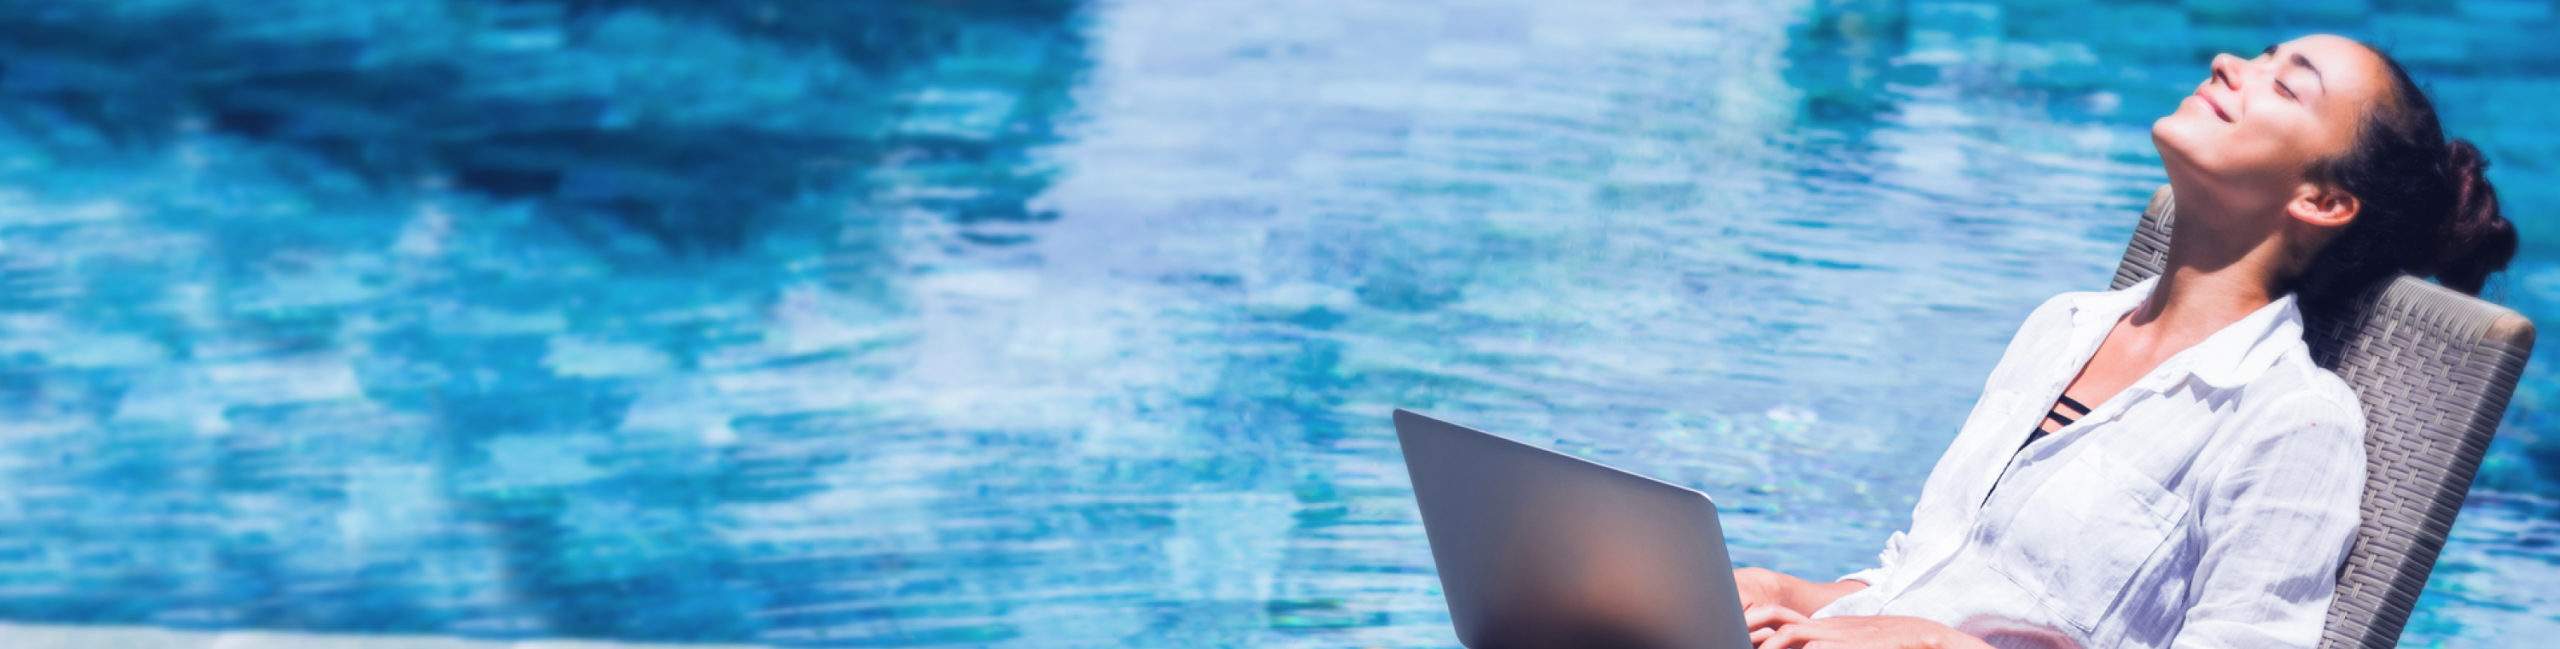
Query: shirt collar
pixel 2231 357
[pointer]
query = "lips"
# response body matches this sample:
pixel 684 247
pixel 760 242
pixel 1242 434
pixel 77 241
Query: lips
pixel 2215 105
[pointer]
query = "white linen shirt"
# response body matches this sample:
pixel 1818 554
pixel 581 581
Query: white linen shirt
pixel 2207 505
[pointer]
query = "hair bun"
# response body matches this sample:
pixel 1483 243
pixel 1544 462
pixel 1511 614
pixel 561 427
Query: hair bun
pixel 2478 240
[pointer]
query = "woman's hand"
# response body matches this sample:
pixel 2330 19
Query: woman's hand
pixel 1782 629
pixel 1764 620
pixel 1764 586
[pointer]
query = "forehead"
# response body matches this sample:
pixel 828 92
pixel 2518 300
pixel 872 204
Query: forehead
pixel 2351 73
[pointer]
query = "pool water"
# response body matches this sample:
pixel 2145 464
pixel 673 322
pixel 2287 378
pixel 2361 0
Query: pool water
pixel 1055 323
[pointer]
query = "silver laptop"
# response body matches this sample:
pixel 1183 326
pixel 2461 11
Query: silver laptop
pixel 1540 549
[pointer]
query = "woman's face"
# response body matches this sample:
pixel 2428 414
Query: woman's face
pixel 2245 138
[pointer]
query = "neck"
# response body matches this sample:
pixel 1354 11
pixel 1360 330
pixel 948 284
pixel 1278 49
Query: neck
pixel 2204 287
pixel 2189 301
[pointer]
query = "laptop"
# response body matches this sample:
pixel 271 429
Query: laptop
pixel 1540 549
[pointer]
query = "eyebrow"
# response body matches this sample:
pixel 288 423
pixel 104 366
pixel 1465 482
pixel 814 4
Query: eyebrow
pixel 2305 62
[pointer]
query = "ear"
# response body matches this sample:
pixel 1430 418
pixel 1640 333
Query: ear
pixel 2318 205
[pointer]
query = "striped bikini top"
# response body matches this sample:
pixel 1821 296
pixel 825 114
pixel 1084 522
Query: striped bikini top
pixel 2065 410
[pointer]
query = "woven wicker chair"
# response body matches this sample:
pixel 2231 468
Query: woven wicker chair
pixel 2434 368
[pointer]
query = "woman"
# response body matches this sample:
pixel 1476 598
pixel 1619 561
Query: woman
pixel 2164 464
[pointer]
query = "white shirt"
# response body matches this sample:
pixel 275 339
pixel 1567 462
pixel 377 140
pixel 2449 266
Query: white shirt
pixel 2208 505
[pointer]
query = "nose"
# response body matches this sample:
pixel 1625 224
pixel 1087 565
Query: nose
pixel 2230 68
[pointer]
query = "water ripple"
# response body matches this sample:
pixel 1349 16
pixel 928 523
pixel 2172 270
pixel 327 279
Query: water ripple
pixel 985 323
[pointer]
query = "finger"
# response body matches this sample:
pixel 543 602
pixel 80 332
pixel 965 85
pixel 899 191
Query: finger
pixel 1779 639
pixel 1798 635
pixel 1761 616
pixel 1759 635
pixel 1787 616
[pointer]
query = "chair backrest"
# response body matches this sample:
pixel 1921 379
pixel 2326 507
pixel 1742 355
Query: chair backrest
pixel 2434 369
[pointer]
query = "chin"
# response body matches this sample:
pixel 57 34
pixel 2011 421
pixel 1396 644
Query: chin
pixel 2187 137
pixel 2176 141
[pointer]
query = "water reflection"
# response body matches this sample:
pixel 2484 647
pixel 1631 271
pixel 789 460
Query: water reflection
pixel 980 322
pixel 492 318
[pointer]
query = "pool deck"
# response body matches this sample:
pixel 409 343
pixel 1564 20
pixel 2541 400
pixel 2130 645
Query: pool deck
pixel 46 636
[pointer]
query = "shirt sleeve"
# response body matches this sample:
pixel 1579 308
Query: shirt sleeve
pixel 2277 522
pixel 1885 561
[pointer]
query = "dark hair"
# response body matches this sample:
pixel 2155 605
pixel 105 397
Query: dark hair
pixel 2426 208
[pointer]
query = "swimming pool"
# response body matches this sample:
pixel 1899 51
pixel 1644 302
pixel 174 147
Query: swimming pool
pixel 1060 323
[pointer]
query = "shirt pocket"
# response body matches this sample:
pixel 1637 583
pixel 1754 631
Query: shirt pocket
pixel 2078 542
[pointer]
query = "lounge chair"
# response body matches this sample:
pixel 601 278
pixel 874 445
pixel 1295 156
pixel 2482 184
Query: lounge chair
pixel 2434 368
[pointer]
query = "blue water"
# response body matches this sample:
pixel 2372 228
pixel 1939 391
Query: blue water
pixel 1065 323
